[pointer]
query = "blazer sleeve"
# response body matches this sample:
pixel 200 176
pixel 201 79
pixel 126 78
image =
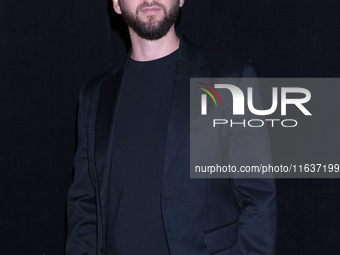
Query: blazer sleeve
pixel 81 205
pixel 256 197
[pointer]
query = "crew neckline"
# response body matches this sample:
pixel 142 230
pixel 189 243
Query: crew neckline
pixel 158 61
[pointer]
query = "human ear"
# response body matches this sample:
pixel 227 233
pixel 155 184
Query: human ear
pixel 181 3
pixel 116 6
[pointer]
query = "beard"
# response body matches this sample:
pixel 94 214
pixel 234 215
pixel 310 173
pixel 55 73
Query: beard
pixel 151 29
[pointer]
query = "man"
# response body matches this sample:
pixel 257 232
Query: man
pixel 132 192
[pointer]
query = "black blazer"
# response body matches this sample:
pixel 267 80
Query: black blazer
pixel 201 216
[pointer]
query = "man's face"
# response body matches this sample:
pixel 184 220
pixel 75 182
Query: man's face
pixel 151 20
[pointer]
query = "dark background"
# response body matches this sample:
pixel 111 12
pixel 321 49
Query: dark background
pixel 48 49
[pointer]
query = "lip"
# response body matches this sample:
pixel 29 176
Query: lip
pixel 150 10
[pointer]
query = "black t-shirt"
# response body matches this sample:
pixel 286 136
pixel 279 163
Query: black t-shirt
pixel 136 226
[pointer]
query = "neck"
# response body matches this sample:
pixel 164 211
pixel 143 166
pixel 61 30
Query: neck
pixel 146 50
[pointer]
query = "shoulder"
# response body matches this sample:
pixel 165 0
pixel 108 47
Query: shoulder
pixel 92 87
pixel 224 66
pixel 218 64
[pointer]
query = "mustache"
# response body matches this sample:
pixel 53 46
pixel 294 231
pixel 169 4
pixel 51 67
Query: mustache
pixel 148 4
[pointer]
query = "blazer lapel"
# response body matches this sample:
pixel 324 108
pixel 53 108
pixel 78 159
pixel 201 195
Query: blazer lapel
pixel 190 63
pixel 109 96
